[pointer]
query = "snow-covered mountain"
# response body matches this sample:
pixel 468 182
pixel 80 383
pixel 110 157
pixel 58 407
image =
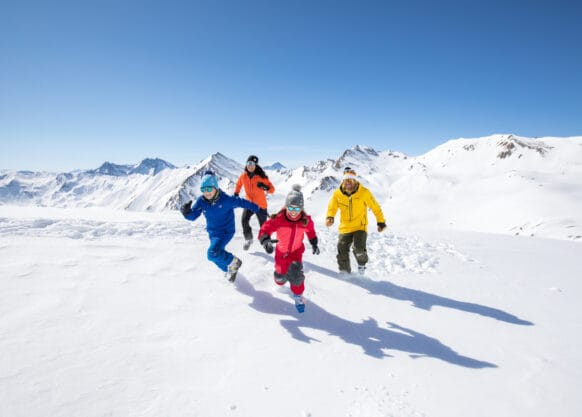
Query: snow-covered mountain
pixel 151 185
pixel 109 312
pixel 274 167
pixel 501 184
pixel 498 184
pixel 149 166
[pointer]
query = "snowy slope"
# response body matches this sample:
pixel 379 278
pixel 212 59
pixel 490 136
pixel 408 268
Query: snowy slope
pixel 506 184
pixel 118 313
pixel 497 184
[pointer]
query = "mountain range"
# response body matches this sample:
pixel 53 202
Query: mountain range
pixel 498 184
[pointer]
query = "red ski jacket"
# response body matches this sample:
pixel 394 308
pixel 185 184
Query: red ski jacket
pixel 290 235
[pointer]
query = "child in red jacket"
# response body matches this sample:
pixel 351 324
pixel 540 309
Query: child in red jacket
pixel 290 224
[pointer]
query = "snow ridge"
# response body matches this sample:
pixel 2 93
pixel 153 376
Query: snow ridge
pixel 501 184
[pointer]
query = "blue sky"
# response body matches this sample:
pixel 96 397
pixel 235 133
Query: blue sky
pixel 83 82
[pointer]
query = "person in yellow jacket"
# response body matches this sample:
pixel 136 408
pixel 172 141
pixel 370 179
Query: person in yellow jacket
pixel 353 201
pixel 257 185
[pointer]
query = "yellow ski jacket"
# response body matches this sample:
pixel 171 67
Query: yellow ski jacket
pixel 354 209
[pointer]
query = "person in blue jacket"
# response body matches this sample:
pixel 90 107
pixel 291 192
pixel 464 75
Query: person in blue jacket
pixel 218 208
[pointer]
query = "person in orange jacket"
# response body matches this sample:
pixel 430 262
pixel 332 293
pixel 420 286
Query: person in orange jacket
pixel 256 184
pixel 291 224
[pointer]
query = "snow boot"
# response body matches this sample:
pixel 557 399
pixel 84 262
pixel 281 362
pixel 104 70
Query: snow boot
pixel 344 274
pixel 233 269
pixel 247 244
pixel 361 269
pixel 299 303
pixel 280 279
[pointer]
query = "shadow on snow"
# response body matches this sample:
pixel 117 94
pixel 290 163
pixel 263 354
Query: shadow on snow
pixel 419 299
pixel 373 339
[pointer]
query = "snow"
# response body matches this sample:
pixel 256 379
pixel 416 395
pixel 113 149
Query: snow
pixel 469 306
pixel 498 184
pixel 117 313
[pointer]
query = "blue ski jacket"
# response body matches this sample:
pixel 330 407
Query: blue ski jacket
pixel 220 212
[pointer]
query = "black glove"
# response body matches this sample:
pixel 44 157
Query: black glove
pixel 186 209
pixel 236 194
pixel 264 212
pixel 263 186
pixel 314 246
pixel 381 226
pixel 267 243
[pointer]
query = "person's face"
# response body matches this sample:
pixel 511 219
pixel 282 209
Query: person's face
pixel 251 166
pixel 349 185
pixel 209 192
pixel 293 212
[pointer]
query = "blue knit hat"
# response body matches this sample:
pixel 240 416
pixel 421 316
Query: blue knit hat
pixel 209 180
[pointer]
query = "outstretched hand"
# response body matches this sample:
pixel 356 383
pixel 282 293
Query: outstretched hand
pixel 186 209
pixel 314 245
pixel 267 243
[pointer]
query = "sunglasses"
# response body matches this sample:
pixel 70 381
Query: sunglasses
pixel 297 209
pixel 206 189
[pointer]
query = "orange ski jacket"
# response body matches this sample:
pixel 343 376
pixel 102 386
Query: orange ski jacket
pixel 252 190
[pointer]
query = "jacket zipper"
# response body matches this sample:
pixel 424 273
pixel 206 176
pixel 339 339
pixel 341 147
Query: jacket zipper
pixel 291 240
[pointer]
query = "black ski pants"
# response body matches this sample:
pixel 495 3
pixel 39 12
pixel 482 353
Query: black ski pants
pixel 245 219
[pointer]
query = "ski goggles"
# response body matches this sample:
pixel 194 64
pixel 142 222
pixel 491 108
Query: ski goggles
pixel 251 163
pixel 206 189
pixel 291 208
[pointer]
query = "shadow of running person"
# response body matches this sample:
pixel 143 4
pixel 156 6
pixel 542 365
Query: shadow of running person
pixel 373 339
pixel 419 299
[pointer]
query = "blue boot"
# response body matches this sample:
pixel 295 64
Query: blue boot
pixel 299 302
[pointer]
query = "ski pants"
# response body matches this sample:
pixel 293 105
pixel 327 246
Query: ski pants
pixel 345 242
pixel 217 253
pixel 290 268
pixel 246 218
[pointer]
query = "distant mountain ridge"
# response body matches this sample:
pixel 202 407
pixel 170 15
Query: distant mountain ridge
pixel 275 166
pixel 149 166
pixel 499 183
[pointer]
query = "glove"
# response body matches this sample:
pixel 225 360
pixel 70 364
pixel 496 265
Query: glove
pixel 314 246
pixel 329 221
pixel 267 243
pixel 264 212
pixel 186 209
pixel 236 194
pixel 381 226
pixel 263 186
